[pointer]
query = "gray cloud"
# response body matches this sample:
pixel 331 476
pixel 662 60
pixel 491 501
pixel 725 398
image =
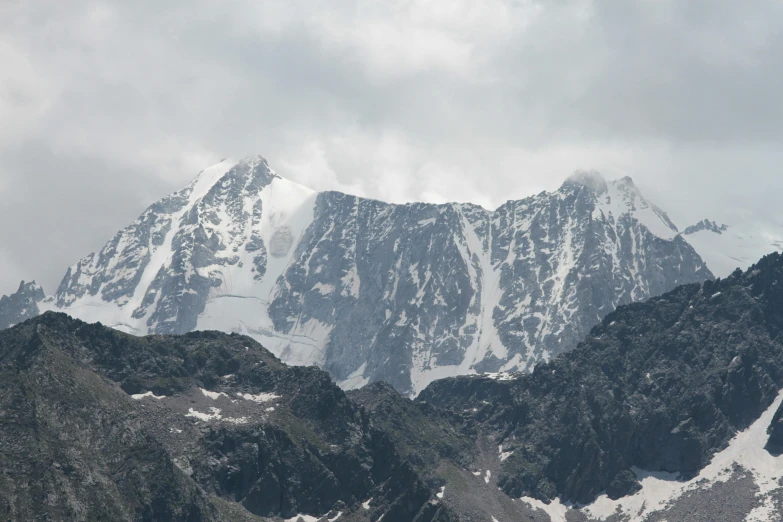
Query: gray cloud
pixel 106 106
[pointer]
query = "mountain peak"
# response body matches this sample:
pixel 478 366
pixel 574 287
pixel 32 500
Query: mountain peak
pixel 251 171
pixel 591 179
pixel 29 286
pixel 627 184
pixel 706 224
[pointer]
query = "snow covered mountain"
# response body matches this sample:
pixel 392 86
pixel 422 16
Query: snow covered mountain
pixel 727 247
pixel 375 291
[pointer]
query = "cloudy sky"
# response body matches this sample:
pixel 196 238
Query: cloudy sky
pixel 105 106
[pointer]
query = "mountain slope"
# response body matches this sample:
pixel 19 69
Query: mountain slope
pixel 725 248
pixel 669 410
pixel 685 385
pixel 372 291
pixel 97 424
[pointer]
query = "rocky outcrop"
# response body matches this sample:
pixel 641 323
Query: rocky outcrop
pixel 707 225
pixel 97 424
pixel 775 430
pixel 660 386
pixel 21 305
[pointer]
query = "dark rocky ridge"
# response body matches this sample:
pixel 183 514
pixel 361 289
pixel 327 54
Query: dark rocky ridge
pixel 705 224
pixel 660 385
pixel 422 434
pixel 74 445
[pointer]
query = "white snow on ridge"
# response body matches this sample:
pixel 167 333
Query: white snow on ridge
pixel 241 303
pixel 274 218
pixel 738 247
pixel 622 197
pixel 93 308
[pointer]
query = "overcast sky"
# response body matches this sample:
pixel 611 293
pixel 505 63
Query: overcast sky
pixel 107 106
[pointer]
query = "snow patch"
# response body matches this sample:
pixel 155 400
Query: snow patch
pixel 140 396
pixel 500 376
pixel 555 509
pixel 237 420
pixel 259 398
pixel 323 289
pixel 212 395
pixel 504 455
pixel 746 449
pixel 303 518
pixel 213 415
pixel 355 380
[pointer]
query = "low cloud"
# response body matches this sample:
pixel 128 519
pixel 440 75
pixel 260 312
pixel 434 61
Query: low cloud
pixel 108 105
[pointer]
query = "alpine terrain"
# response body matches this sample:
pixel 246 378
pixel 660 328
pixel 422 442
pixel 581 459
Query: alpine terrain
pixel 725 248
pixel 371 291
pixel 670 410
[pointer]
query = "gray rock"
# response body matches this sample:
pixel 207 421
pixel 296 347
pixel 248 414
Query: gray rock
pixel 372 291
pixel 21 305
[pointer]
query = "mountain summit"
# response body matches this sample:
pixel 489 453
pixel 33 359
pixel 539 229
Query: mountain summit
pixel 587 178
pixel 373 291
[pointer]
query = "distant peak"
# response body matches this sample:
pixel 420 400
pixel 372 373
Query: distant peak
pixel 32 285
pixel 252 170
pixel 627 183
pixel 590 179
pixel 706 224
pixel 256 159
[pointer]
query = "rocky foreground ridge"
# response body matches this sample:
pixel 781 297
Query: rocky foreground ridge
pixel 669 410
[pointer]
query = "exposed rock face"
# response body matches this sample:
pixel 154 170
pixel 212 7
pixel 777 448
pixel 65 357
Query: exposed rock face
pixel 624 483
pixel 775 430
pixel 97 424
pixel 705 224
pixel 372 291
pixel 21 305
pixel 660 386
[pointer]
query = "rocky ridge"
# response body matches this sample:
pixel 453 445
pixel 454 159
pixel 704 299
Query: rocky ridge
pixel 669 410
pixel 683 386
pixel 371 291
pixel 97 424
